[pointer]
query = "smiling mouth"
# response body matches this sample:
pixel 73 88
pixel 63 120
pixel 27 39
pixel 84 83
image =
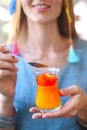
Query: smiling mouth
pixel 41 6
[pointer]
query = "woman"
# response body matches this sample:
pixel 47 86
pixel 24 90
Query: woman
pixel 40 29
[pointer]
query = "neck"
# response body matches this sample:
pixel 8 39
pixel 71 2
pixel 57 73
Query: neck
pixel 45 44
pixel 41 35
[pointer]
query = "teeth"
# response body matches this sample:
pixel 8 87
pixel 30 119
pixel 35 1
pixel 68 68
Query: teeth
pixel 41 6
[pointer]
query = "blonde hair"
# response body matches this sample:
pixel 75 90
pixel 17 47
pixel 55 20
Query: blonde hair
pixel 16 20
pixel 19 23
pixel 63 22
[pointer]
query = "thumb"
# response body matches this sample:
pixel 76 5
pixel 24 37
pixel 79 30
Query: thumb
pixel 4 48
pixel 72 90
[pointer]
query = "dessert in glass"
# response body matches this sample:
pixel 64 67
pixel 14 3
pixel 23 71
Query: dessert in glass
pixel 47 95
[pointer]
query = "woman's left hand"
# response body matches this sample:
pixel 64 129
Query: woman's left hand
pixel 72 107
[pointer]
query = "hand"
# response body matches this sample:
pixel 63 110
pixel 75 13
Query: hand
pixel 7 71
pixel 71 108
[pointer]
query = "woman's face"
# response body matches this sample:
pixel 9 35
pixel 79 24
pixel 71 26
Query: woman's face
pixel 42 11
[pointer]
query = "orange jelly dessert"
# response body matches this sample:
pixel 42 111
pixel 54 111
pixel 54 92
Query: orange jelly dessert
pixel 47 97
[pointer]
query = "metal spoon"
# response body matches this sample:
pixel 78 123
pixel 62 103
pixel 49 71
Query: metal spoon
pixel 36 64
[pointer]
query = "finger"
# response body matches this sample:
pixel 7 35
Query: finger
pixel 66 111
pixel 34 109
pixel 4 48
pixel 8 58
pixel 4 73
pixel 37 115
pixel 72 90
pixel 56 114
pixel 8 89
pixel 7 66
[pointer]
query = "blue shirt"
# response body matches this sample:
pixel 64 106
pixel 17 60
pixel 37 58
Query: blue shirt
pixel 25 93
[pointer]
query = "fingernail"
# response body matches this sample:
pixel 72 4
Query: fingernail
pixel 15 58
pixel 61 92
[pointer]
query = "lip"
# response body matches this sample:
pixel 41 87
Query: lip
pixel 41 7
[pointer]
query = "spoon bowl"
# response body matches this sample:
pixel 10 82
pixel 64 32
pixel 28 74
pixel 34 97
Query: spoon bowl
pixel 36 64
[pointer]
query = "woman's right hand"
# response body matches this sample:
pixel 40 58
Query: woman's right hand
pixel 8 72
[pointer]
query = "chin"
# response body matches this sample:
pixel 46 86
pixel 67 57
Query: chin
pixel 41 20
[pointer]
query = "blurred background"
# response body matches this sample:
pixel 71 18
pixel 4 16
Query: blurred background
pixel 4 20
pixel 80 11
